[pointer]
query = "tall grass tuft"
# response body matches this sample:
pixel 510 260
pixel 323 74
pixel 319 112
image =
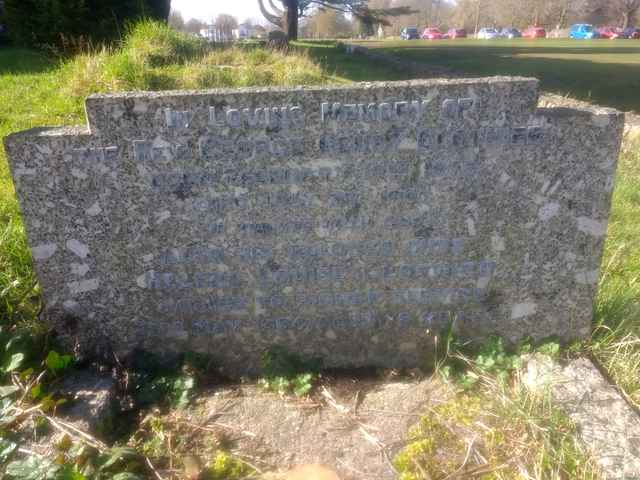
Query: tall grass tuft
pixel 153 56
pixel 243 68
pixel 156 44
pixel 499 430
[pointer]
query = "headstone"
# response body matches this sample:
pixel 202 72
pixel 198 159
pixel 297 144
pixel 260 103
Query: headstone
pixel 352 223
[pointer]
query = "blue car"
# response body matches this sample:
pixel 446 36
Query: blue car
pixel 409 33
pixel 510 32
pixel 583 31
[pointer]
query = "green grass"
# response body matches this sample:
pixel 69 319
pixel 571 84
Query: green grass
pixel 606 72
pixel 154 57
pixel 496 433
pixel 616 340
pixel 343 67
pixel 29 97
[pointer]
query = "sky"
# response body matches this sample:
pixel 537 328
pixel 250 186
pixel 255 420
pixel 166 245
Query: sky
pixel 209 9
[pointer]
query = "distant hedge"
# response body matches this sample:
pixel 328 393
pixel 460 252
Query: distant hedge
pixel 62 22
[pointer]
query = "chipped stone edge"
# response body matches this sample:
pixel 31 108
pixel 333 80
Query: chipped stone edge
pixel 314 88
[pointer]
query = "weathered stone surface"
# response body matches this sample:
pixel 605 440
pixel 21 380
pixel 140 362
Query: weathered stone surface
pixel 609 427
pixel 355 428
pixel 349 222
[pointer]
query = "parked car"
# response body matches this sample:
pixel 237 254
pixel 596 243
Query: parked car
pixel 432 33
pixel 535 32
pixel 488 34
pixel 583 31
pixel 457 33
pixel 609 32
pixel 409 33
pixel 510 32
pixel 631 32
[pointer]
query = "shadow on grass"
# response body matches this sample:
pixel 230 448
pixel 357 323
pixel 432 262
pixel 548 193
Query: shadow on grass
pixel 605 74
pixel 20 61
pixel 356 68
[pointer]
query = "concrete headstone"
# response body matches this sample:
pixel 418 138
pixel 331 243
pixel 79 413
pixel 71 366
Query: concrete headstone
pixel 351 223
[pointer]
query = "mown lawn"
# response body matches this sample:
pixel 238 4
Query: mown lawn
pixel 599 71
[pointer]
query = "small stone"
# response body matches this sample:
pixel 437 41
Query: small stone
pixel 92 401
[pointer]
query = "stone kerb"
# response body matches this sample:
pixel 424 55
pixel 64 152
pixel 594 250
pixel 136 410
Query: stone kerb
pixel 352 223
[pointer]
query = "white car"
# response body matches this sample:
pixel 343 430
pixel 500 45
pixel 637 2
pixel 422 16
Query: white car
pixel 488 34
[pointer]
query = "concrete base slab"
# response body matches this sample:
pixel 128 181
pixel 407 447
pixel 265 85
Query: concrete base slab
pixel 608 425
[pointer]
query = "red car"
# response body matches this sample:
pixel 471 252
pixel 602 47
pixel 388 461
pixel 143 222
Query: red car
pixel 457 33
pixel 431 33
pixel 535 32
pixel 609 32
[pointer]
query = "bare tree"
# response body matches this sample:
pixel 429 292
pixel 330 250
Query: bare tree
pixel 194 25
pixel 327 23
pixel 625 10
pixel 176 21
pixel 287 14
pixel 226 23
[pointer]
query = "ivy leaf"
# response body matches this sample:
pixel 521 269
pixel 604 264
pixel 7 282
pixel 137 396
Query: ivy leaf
pixel 56 362
pixel 6 449
pixel 36 391
pixel 70 473
pixel 14 362
pixel 126 476
pixel 120 454
pixel 7 390
pixel 32 468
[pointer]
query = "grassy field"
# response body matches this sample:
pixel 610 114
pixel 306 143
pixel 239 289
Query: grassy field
pixel 599 71
pixel 38 91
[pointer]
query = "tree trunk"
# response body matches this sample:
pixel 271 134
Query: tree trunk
pixel 292 19
pixel 564 11
pixel 626 19
pixel 159 9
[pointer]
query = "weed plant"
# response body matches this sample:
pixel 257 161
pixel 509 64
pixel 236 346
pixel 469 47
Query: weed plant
pixel 495 427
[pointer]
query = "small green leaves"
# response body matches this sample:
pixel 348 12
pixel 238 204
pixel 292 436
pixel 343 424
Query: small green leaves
pixel 56 362
pixel 285 372
pixel 551 348
pixel 302 384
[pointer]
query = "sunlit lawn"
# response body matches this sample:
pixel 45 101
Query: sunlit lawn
pixel 600 71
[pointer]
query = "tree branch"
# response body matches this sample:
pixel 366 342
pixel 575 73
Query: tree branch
pixel 271 18
pixel 277 10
